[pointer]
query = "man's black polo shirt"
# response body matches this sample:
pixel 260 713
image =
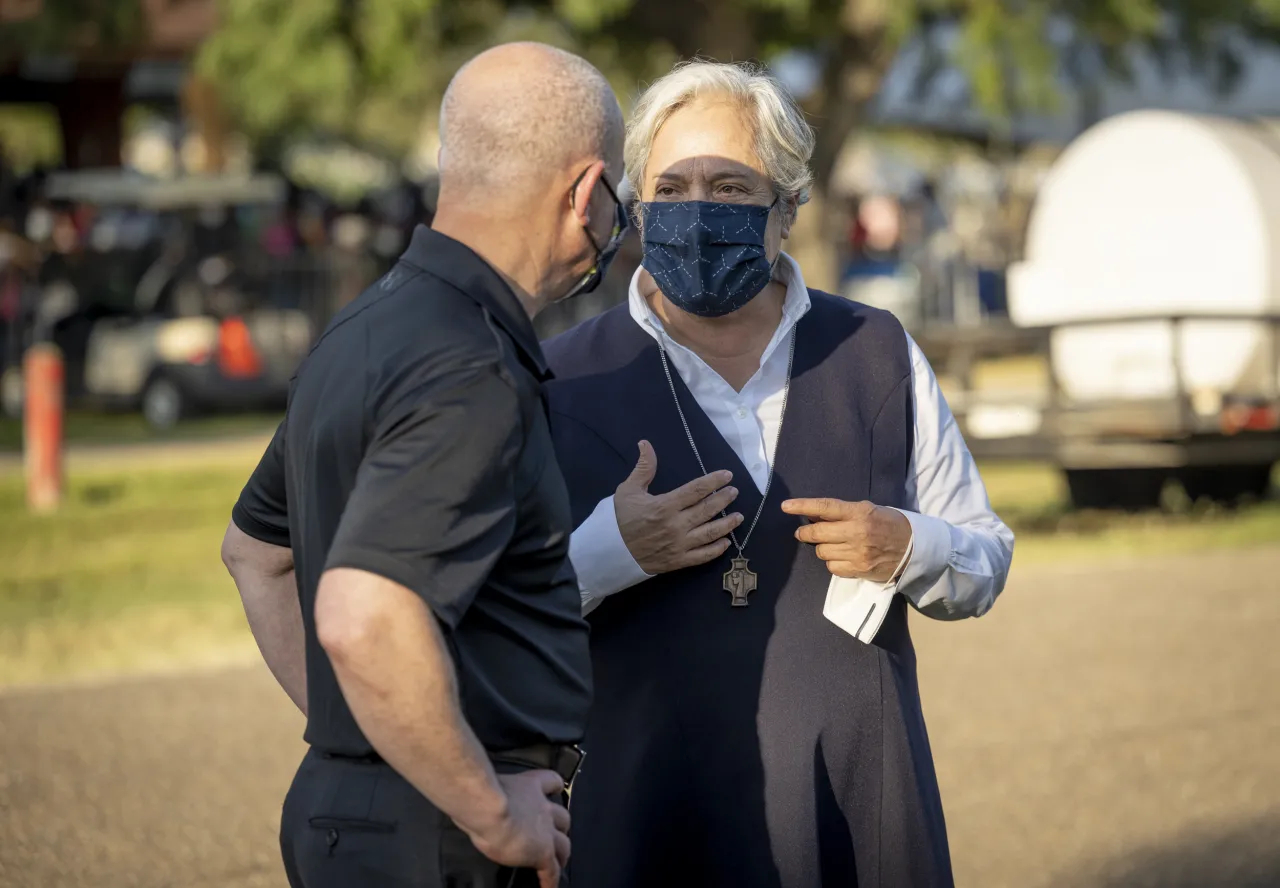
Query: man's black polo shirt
pixel 416 447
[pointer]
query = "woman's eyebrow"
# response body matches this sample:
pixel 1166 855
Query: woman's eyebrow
pixel 733 174
pixel 671 176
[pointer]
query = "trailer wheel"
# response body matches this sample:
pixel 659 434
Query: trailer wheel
pixel 1129 490
pixel 1228 485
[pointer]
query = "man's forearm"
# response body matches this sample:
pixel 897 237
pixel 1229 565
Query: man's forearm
pixel 275 618
pixel 397 677
pixel 264 576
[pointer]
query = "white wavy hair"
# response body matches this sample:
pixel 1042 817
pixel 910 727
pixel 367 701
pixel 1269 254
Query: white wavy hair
pixel 783 138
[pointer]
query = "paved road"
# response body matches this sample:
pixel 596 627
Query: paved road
pixel 1101 728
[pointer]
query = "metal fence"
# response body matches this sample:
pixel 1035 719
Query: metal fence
pixel 318 284
pixel 321 284
pixel 41 303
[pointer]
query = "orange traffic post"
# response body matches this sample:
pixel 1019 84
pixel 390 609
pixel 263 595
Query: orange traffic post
pixel 42 372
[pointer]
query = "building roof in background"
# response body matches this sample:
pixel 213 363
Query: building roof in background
pixel 947 103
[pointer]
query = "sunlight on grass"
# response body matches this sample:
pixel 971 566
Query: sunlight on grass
pixel 1032 499
pixel 127 574
pixel 96 428
pixel 127 568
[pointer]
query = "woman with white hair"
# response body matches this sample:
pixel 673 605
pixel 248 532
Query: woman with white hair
pixel 800 481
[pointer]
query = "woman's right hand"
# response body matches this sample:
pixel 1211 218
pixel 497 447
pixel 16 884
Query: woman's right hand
pixel 675 530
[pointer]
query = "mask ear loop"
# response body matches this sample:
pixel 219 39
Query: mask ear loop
pixel 636 212
pixel 773 266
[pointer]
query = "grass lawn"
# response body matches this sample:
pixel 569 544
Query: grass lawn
pixel 127 575
pixel 84 427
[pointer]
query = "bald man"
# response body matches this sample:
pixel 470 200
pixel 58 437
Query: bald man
pixel 401 550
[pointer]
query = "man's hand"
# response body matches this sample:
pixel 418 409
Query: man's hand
pixel 534 834
pixel 860 541
pixel 677 529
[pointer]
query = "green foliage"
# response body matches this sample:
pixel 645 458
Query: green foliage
pixel 64 26
pixel 588 15
pixel 322 63
pixel 369 70
pixel 29 137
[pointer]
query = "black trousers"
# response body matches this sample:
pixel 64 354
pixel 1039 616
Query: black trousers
pixel 357 824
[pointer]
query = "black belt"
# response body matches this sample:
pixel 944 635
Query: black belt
pixel 563 758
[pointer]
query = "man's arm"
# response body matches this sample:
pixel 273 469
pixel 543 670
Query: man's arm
pixel 393 665
pixel 256 551
pixel 431 513
pixel 269 591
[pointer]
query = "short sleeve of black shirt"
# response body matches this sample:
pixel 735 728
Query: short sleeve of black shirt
pixel 261 511
pixel 434 504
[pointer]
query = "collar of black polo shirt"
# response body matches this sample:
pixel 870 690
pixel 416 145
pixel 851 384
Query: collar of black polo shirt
pixel 458 265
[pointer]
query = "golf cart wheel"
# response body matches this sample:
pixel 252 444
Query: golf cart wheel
pixel 164 403
pixel 1128 490
pixel 1227 485
pixel 11 393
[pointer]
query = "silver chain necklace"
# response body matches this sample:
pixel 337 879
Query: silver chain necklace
pixel 739 579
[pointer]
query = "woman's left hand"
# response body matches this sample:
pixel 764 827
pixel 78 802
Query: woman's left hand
pixel 859 541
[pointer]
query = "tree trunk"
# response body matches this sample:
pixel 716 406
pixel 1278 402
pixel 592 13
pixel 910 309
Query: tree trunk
pixel 814 243
pixel 852 76
pixel 203 108
pixel 90 113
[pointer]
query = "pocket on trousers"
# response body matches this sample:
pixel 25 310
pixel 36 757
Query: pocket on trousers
pixel 333 836
pixel 347 815
pixel 351 823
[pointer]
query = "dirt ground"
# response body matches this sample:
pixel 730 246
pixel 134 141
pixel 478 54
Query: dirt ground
pixel 1104 726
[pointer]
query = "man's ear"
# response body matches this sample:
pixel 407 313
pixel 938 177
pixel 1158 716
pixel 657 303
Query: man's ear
pixel 580 196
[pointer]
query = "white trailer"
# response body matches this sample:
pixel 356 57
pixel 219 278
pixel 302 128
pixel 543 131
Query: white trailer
pixel 1152 281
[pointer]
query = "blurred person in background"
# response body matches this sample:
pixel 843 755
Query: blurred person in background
pixel 800 482
pixel 280 234
pixel 401 549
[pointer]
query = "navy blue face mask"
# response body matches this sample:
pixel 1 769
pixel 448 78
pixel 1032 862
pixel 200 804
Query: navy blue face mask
pixel 707 258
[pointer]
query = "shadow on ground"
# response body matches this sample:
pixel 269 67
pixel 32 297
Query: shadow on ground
pixel 1246 855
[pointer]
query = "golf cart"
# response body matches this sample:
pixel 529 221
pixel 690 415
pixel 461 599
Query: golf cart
pixel 173 313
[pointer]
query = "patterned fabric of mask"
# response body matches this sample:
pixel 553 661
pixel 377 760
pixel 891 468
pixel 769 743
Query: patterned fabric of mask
pixel 707 258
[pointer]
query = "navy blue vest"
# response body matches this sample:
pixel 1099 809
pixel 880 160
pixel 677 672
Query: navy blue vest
pixel 706 709
pixel 846 434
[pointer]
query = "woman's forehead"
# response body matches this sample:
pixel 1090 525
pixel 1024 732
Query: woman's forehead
pixel 713 131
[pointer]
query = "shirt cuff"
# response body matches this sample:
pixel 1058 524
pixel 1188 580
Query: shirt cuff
pixel 930 555
pixel 600 556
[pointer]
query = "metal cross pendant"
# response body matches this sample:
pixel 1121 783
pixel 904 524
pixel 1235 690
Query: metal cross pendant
pixel 739 581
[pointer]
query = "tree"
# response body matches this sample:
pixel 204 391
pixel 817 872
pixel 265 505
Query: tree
pixel 1004 47
pixel 366 69
pixel 61 26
